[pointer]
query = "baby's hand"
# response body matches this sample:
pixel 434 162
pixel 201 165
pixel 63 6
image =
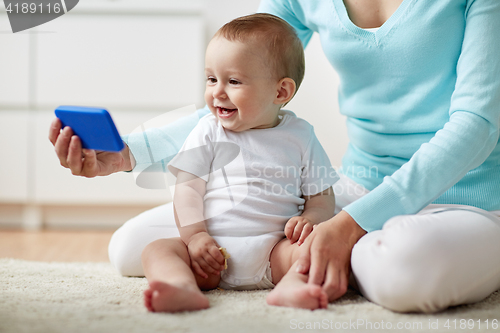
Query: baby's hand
pixel 205 255
pixel 297 229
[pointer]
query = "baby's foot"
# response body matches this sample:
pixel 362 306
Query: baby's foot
pixel 164 297
pixel 295 293
pixel 148 294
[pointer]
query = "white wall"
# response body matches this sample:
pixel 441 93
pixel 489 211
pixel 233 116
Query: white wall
pixel 219 12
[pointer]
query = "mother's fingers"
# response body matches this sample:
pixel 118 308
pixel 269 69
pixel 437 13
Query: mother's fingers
pixel 89 168
pixel 304 261
pixel 75 161
pixel 55 130
pixel 62 146
pixel 319 260
pixel 344 283
pixel 336 282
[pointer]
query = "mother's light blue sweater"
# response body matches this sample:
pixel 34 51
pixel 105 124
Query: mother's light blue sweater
pixel 422 100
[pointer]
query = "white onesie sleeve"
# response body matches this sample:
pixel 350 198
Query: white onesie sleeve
pixel 317 171
pixel 196 155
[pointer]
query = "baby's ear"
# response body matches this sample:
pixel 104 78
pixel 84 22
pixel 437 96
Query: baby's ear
pixel 285 91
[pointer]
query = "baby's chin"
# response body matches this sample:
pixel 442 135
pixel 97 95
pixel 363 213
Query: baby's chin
pixel 233 129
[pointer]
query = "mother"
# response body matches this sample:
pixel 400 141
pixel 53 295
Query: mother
pixel 420 86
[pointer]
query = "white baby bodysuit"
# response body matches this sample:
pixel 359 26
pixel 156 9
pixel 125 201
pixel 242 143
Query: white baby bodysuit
pixel 255 183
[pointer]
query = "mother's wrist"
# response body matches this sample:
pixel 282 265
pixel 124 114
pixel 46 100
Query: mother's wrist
pixel 349 227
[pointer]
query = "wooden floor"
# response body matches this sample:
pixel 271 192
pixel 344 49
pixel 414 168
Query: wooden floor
pixel 62 246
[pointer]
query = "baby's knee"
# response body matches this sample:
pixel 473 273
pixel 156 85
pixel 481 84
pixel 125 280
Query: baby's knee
pixel 166 246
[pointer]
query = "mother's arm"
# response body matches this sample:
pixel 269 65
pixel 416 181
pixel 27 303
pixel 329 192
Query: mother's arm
pixel 156 145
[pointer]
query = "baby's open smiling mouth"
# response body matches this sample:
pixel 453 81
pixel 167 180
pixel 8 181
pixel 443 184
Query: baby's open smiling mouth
pixel 225 113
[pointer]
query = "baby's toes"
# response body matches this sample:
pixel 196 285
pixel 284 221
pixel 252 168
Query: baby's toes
pixel 148 294
pixel 323 300
pixel 319 294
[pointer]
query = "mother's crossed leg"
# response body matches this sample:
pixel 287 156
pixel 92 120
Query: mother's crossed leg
pixel 128 242
pixel 440 257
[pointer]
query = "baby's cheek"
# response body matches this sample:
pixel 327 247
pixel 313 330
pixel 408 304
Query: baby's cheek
pixel 208 97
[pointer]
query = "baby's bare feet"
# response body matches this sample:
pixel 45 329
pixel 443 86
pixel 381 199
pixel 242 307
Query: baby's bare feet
pixel 164 297
pixel 293 292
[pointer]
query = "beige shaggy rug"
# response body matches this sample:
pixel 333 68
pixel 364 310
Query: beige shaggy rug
pixel 93 297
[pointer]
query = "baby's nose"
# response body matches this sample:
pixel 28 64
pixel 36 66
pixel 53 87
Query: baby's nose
pixel 219 92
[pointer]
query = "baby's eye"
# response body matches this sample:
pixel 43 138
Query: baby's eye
pixel 233 81
pixel 211 80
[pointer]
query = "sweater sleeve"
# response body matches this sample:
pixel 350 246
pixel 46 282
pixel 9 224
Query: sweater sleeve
pixel 160 145
pixel 291 12
pixel 465 141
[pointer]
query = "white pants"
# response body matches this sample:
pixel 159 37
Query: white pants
pixel 443 256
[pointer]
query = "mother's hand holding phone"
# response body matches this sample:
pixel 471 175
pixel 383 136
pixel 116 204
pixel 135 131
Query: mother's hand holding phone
pixel 85 162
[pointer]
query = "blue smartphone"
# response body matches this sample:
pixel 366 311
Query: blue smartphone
pixel 93 125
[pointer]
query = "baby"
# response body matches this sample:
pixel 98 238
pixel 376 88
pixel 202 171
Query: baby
pixel 248 175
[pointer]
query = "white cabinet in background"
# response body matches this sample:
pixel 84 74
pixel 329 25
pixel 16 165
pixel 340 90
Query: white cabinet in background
pixel 15 140
pixel 14 65
pixel 138 59
pixel 124 61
